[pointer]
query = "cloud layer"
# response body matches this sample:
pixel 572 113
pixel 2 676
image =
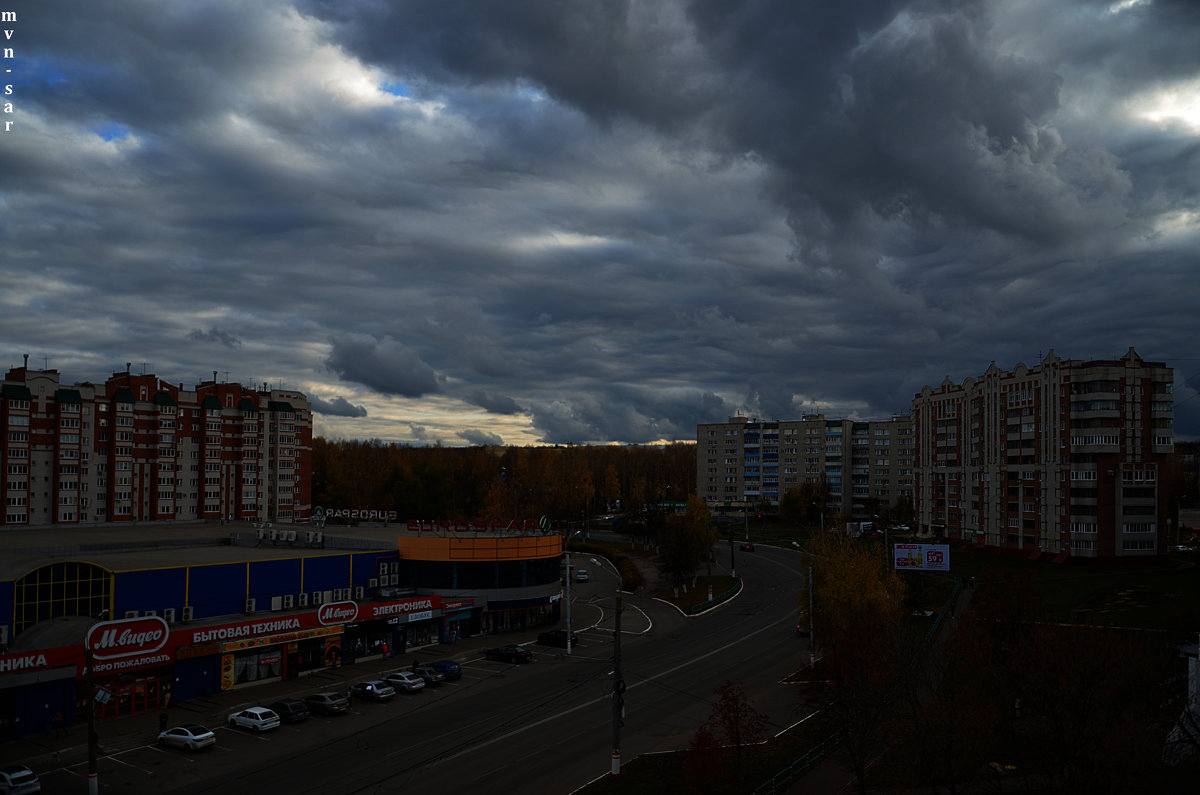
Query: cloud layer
pixel 588 222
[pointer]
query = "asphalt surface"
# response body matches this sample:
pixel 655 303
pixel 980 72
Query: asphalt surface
pixel 47 752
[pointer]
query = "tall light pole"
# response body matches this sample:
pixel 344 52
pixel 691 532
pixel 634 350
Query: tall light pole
pixel 566 548
pixel 93 739
pixel 618 697
pixel 812 630
pixel 732 567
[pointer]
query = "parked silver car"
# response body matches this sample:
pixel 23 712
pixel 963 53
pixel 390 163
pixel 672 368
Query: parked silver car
pixel 373 690
pixel 407 681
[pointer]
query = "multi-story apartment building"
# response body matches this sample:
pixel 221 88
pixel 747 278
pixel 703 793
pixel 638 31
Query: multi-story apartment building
pixel 866 465
pixel 140 449
pixel 1066 458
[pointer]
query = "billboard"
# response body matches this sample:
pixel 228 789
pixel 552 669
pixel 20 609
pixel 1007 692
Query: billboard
pixel 921 557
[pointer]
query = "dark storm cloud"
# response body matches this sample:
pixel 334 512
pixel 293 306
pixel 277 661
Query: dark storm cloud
pixel 214 335
pixel 494 404
pixel 600 221
pixel 386 366
pixel 480 438
pixel 337 407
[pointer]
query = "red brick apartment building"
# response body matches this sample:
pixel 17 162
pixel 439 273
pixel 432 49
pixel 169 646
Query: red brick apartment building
pixel 139 449
pixel 1067 458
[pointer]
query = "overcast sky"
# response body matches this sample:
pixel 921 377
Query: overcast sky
pixel 536 221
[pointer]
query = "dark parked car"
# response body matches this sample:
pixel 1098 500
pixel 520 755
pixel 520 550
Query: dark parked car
pixel 447 668
pixel 557 637
pixel 430 675
pixel 327 703
pixel 290 710
pixel 512 654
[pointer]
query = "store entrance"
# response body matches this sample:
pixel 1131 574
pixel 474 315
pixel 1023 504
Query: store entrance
pixel 129 694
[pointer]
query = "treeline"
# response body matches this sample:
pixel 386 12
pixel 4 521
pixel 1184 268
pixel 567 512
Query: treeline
pixel 499 483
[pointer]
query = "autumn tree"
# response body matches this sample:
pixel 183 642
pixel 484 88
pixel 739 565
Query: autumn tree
pixel 685 542
pixel 736 722
pixel 857 602
pixel 1079 707
pixel 702 765
pixel 437 482
pixel 802 505
pixel 612 485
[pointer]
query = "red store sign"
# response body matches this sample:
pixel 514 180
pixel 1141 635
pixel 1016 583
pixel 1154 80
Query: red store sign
pixel 149 640
pixel 128 637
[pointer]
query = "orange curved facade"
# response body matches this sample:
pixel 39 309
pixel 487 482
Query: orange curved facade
pixel 479 548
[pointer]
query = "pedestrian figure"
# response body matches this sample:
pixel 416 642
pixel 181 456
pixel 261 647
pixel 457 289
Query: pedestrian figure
pixel 952 609
pixel 349 693
pixel 60 724
pixel 162 721
pixel 416 662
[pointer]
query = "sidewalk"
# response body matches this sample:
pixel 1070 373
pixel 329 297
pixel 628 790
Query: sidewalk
pixel 46 751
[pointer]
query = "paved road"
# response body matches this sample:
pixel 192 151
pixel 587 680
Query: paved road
pixel 543 727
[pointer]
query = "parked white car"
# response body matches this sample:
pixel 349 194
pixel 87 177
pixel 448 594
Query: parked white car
pixel 191 737
pixel 19 779
pixel 258 719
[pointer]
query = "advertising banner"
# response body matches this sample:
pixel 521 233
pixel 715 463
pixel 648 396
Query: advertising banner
pixel 921 557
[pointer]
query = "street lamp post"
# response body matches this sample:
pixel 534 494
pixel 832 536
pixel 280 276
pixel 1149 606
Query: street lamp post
pixel 93 739
pixel 732 568
pixel 618 696
pixel 567 550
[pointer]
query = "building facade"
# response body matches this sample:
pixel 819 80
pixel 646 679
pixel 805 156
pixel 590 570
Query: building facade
pixel 217 607
pixel 1066 458
pixel 140 449
pixel 866 466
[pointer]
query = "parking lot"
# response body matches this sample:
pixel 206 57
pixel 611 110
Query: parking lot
pixel 132 761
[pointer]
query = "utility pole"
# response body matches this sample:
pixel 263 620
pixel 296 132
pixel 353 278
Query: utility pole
pixel 618 699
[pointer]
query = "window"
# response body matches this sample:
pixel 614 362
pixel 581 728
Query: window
pixel 60 589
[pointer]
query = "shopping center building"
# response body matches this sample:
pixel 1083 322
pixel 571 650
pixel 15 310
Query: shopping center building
pixel 172 612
